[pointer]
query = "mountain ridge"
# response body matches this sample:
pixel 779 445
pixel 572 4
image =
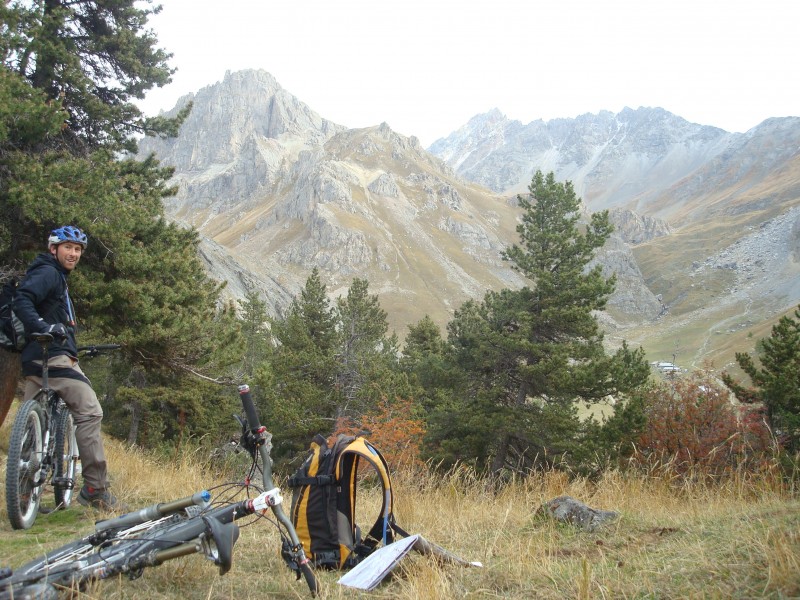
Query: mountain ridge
pixel 284 190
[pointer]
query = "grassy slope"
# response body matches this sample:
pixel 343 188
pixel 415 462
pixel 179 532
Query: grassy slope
pixel 707 322
pixel 741 540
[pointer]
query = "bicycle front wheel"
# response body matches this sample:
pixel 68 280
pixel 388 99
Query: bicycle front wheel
pixel 66 459
pixel 23 468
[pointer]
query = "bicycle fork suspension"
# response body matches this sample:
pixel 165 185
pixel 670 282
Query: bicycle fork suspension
pixel 43 464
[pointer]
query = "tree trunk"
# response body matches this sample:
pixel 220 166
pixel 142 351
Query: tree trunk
pixel 44 75
pixel 10 367
pixel 136 417
pixel 499 459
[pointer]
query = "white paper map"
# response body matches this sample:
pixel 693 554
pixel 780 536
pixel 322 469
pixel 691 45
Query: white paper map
pixel 367 574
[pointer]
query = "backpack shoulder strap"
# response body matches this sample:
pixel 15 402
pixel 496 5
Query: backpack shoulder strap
pixel 346 471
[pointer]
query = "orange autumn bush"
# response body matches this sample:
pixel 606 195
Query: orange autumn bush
pixel 392 428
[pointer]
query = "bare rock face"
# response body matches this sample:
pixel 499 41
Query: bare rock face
pixel 276 190
pixel 794 241
pixel 384 185
pixel 568 510
pixel 239 143
pixel 634 228
pixel 632 301
pixel 708 217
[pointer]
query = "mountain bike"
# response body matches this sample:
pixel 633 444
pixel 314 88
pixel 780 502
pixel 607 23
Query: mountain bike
pixel 127 544
pixel 43 449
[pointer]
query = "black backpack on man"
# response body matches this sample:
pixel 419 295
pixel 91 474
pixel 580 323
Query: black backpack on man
pixel 12 333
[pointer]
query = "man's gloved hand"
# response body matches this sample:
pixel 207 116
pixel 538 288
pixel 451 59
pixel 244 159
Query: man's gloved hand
pixel 57 331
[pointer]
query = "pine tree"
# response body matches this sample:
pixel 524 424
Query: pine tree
pixel 25 117
pixel 424 361
pixel 776 382
pixel 299 376
pixel 330 364
pixel 368 356
pixel 530 356
pixel 255 334
pixel 424 341
pixel 93 58
pixel 70 73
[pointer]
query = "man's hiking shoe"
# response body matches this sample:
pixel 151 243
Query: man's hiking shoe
pixel 99 499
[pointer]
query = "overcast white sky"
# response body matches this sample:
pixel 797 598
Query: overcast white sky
pixel 427 66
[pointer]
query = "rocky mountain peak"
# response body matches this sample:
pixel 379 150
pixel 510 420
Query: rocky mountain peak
pixel 239 141
pixel 481 134
pixel 244 106
pixel 612 159
pixel 684 198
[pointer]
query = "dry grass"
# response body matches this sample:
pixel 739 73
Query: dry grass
pixel 740 539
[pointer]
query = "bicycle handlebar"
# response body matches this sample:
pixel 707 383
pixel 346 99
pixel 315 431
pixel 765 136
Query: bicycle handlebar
pixel 249 408
pixel 96 349
pixel 47 338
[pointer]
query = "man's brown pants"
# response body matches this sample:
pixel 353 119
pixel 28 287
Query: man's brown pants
pixel 87 414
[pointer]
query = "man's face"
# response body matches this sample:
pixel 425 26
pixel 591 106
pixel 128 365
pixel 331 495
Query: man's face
pixel 67 254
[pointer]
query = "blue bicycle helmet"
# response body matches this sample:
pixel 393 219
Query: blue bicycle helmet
pixel 68 233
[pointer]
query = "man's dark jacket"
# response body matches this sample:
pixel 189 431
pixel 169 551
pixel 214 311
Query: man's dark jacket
pixel 41 301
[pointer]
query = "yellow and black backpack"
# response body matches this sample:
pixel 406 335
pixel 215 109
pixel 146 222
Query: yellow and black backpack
pixel 324 503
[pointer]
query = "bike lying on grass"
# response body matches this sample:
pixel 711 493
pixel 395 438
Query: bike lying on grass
pixel 42 449
pixel 148 537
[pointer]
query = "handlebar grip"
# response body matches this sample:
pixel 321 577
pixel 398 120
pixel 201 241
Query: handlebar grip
pixel 96 349
pixel 249 408
pixel 108 347
pixel 311 579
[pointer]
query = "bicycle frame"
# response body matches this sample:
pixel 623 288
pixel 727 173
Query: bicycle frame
pixel 51 404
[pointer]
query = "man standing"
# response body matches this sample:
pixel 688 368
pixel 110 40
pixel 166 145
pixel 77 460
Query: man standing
pixel 43 305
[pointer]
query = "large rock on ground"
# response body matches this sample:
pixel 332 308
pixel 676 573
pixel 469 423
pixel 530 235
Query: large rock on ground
pixel 569 510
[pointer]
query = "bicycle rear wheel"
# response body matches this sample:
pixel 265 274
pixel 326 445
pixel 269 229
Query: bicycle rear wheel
pixel 25 452
pixel 66 459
